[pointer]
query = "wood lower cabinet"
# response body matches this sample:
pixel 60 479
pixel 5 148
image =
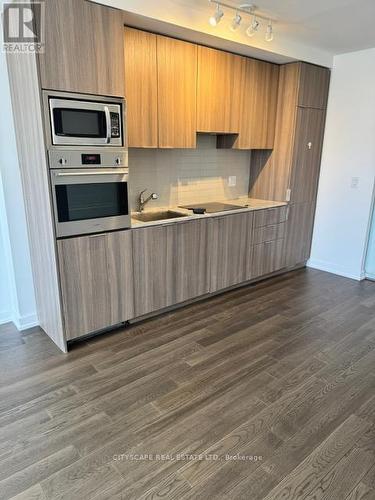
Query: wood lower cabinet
pixel 83 48
pixel 171 264
pixel 299 233
pixel 96 281
pixel 267 258
pixel 141 89
pixel 231 247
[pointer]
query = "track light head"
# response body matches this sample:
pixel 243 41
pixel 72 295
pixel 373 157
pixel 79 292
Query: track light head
pixel 236 21
pixel 253 28
pixel 269 32
pixel 216 18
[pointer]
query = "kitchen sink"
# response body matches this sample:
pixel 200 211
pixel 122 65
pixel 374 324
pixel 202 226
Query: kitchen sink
pixel 155 216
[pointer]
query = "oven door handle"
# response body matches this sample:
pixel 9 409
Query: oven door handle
pixel 108 172
pixel 109 127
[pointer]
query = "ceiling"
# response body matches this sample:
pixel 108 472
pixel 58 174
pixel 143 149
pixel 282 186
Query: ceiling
pixel 306 30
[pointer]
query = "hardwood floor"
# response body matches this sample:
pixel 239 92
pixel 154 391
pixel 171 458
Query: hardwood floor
pixel 273 384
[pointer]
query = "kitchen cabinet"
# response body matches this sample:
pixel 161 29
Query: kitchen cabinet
pixel 177 83
pixel 231 248
pixel 171 264
pixel 313 86
pixel 83 48
pixel 96 275
pixel 141 88
pixel 299 233
pixel 221 77
pixel 308 145
pixel 267 258
pixel 258 106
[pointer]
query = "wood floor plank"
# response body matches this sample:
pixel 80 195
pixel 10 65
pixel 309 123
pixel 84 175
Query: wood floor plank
pixel 35 473
pixel 361 492
pixel 306 476
pixel 282 368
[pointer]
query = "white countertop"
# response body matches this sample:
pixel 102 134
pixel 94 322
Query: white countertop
pixel 249 204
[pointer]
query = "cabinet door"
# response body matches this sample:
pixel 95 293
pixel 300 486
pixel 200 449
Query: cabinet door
pixel 268 257
pixel 170 264
pixel 231 247
pixel 220 79
pixel 299 233
pixel 141 88
pixel 313 86
pixel 307 154
pixel 258 108
pixel 83 48
pixel 177 84
pixel 96 281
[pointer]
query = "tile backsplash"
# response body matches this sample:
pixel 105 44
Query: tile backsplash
pixel 182 176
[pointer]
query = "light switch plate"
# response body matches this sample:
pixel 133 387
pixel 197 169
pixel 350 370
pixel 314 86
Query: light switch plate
pixel 232 180
pixel 354 183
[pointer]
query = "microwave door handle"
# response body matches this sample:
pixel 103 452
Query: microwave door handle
pixel 108 120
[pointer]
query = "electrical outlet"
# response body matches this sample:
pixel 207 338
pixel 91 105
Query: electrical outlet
pixel 354 183
pixel 232 180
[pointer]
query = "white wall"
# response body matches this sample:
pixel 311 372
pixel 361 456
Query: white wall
pixel 17 299
pixel 343 212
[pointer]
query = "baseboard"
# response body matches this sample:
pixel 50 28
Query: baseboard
pixel 25 322
pixel 370 276
pixel 5 317
pixel 330 268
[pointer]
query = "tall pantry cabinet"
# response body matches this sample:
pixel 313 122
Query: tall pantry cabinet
pixel 291 171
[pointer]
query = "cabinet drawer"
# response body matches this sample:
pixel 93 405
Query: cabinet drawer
pixel 270 216
pixel 267 258
pixel 269 233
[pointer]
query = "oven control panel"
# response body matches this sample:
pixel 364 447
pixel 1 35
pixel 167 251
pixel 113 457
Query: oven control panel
pixel 81 159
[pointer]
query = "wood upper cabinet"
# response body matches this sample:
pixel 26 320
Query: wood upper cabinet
pixel 231 249
pixel 221 77
pixel 177 84
pixel 258 106
pixel 313 86
pixel 83 48
pixel 307 152
pixel 141 90
pixel 171 264
pixel 96 275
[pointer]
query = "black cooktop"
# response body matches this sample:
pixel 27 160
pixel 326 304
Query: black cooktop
pixel 211 208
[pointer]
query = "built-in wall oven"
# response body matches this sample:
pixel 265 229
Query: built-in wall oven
pixel 88 162
pixel 89 200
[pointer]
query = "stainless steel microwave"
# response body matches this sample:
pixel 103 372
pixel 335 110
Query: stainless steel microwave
pixel 84 120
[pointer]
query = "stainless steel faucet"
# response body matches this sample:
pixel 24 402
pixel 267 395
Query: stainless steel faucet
pixel 142 201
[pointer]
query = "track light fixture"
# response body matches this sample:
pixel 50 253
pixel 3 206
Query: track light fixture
pixel 236 21
pixel 253 28
pixel 248 9
pixel 215 19
pixel 269 32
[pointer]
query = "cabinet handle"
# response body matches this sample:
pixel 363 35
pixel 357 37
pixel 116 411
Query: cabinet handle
pixel 309 145
pixel 101 235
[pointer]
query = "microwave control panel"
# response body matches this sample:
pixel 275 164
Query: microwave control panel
pixel 115 125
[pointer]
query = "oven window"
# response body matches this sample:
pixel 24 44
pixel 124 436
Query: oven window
pixel 79 123
pixel 91 201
